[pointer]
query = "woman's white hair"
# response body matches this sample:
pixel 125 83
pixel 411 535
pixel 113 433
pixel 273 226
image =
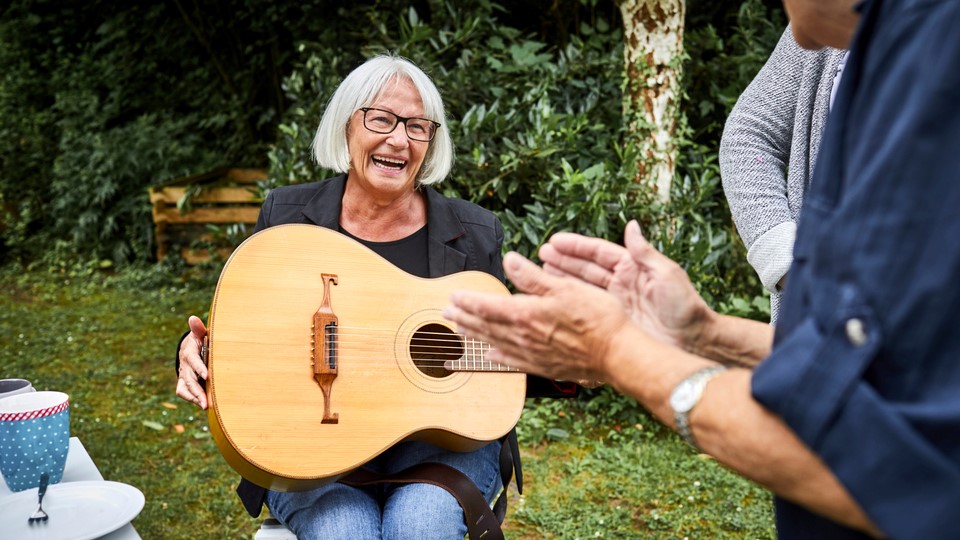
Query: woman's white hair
pixel 360 89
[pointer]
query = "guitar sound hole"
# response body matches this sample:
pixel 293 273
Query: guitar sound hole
pixel 431 346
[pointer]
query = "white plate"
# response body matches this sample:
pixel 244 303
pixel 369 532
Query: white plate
pixel 77 510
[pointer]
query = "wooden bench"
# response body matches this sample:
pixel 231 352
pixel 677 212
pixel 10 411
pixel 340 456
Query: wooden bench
pixel 224 196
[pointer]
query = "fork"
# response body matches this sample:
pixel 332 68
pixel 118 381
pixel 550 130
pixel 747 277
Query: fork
pixel 39 514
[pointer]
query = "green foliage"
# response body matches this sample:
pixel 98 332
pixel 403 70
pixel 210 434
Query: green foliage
pixel 536 127
pixel 100 99
pixel 26 122
pixel 725 49
pixel 543 148
pixel 539 132
pixel 95 111
pixel 696 230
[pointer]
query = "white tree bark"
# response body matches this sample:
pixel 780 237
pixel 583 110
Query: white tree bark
pixel 653 44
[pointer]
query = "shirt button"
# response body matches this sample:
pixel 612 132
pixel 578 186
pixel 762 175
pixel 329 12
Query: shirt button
pixel 856 333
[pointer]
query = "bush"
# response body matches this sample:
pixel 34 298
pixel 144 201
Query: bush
pixel 536 127
pixel 539 135
pixel 93 112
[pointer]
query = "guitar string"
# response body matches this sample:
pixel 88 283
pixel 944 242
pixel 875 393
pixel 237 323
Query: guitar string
pixel 451 342
pixel 458 365
pixel 445 340
pixel 470 353
pixel 474 357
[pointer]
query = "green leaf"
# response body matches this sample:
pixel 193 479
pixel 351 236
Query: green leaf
pixel 557 434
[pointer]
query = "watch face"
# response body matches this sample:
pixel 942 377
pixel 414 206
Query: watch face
pixel 684 396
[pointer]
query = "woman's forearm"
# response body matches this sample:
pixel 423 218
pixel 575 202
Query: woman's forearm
pixel 733 340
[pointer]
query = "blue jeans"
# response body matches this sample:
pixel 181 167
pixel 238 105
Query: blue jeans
pixel 390 511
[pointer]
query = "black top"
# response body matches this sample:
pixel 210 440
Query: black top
pixel 408 254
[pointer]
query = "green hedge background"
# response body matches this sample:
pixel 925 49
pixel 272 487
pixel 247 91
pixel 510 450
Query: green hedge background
pixel 101 99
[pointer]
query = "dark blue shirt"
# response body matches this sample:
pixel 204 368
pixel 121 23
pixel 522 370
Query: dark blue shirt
pixel 866 360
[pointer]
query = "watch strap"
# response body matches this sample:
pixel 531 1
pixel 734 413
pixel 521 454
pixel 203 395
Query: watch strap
pixel 699 378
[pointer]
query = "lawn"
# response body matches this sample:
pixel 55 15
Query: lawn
pixel 596 467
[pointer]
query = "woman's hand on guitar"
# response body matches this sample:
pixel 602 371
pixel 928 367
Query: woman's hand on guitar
pixel 192 367
pixel 654 290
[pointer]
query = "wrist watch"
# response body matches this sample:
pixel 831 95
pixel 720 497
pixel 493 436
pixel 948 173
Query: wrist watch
pixel 685 397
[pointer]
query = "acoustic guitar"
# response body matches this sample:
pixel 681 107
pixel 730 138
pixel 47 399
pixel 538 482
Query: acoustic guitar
pixel 322 355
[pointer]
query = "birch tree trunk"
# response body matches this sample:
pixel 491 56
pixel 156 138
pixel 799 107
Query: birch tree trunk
pixel 653 43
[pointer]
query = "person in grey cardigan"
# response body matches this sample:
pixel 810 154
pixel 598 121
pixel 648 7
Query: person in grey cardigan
pixel 768 150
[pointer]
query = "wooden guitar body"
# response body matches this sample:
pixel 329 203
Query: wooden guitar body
pixel 322 355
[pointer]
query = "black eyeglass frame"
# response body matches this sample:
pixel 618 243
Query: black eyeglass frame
pixel 400 120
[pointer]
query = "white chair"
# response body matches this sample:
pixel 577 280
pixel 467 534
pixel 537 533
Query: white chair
pixel 271 529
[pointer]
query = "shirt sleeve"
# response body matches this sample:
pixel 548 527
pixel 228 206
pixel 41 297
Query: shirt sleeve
pixel 756 152
pixel 866 362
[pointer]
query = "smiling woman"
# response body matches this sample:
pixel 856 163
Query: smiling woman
pixel 384 167
pixel 367 87
pixel 383 199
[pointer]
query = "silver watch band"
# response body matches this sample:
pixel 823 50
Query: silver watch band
pixel 683 428
pixel 697 382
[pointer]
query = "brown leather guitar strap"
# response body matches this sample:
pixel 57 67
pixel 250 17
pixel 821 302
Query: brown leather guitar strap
pixel 480 519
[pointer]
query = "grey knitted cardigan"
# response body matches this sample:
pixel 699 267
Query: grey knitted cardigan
pixel 768 150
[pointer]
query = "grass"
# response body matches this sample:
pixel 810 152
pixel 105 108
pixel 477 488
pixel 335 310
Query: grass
pixel 603 468
pixel 593 468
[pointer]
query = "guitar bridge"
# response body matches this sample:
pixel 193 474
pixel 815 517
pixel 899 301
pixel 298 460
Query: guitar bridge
pixel 325 349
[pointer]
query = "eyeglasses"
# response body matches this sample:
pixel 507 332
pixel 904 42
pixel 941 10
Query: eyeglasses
pixel 381 121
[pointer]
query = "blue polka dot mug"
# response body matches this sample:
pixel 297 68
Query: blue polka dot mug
pixel 34 438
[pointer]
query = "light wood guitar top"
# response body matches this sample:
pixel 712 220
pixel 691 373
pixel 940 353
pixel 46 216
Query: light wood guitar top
pixel 394 367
